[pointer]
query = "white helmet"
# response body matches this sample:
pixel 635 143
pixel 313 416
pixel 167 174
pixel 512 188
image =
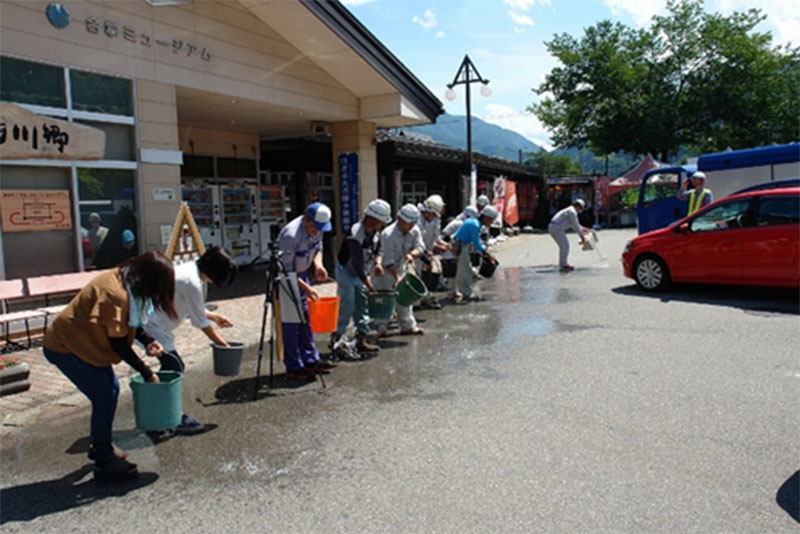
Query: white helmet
pixel 434 204
pixel 409 213
pixel 483 200
pixel 379 209
pixel 490 212
pixel 699 174
pixel 470 213
pixel 579 202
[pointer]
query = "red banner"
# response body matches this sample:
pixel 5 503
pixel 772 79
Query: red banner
pixel 511 211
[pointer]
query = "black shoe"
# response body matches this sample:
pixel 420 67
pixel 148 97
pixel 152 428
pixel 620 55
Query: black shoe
pixel 301 375
pixel 115 470
pixel 321 365
pixel 119 453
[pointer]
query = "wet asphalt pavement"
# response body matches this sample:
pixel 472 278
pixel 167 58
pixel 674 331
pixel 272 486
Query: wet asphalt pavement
pixel 560 403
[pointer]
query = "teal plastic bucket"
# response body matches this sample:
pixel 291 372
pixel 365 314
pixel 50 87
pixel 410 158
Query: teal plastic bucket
pixel 158 406
pixel 381 303
pixel 410 289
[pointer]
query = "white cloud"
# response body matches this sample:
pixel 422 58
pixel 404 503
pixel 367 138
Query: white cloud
pixel 525 124
pixel 520 18
pixel 356 2
pixel 441 35
pixel 641 11
pixel 525 5
pixel 429 21
pixel 783 16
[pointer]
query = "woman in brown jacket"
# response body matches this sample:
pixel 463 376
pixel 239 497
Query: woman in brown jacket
pixel 97 330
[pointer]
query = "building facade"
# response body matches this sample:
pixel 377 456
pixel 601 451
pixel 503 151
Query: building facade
pixel 184 92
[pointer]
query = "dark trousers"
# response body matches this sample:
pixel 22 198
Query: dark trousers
pixel 101 387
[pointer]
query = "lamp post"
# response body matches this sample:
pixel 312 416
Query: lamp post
pixel 467 74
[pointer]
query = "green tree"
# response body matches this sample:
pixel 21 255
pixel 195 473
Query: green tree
pixel 692 79
pixel 552 165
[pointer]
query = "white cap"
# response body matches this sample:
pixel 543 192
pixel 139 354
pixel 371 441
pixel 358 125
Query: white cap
pixel 434 204
pixel 489 211
pixel 579 202
pixel 699 174
pixel 409 213
pixel 483 200
pixel 379 209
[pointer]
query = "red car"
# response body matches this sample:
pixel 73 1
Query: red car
pixel 749 239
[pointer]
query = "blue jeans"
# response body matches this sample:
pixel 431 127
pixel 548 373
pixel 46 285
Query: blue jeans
pixel 101 387
pixel 352 301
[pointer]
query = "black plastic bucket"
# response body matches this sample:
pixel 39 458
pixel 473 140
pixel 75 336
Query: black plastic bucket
pixel 431 280
pixel 487 268
pixel 475 258
pixel 449 267
pixel 227 360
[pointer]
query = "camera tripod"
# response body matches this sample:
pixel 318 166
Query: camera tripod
pixel 276 269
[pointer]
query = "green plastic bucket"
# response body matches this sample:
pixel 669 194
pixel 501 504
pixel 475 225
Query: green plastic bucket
pixel 381 303
pixel 158 406
pixel 410 290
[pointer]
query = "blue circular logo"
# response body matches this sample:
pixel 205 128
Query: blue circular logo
pixel 58 15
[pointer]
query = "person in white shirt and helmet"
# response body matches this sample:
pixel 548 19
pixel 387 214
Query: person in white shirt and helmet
pixel 401 243
pixel 430 225
pixel 559 224
pixel 360 256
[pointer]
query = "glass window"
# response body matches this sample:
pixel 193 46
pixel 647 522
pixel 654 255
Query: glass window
pixel 107 209
pixel 728 215
pixel 778 210
pixel 120 140
pixel 31 83
pixel 201 166
pixel 101 94
pixel 236 168
pixel 660 186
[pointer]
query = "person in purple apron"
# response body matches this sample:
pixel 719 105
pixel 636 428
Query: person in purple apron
pixel 300 242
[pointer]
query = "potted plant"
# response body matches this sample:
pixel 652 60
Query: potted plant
pixel 13 376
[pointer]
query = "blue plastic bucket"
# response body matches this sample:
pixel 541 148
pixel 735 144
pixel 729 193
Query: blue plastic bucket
pixel 158 405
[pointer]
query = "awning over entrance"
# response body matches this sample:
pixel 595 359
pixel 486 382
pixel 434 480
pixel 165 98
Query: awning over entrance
pixel 329 68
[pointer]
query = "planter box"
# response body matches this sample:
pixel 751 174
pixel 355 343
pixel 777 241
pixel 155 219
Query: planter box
pixel 14 379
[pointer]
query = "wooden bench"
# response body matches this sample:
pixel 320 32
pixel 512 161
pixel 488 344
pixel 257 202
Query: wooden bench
pixel 57 285
pixel 14 290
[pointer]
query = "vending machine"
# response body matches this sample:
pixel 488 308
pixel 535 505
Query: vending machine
pixel 240 221
pixel 202 198
pixel 272 215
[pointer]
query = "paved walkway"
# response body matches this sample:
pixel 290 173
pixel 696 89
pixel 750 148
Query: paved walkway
pixel 51 395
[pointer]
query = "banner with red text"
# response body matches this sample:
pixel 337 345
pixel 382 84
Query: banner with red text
pixel 511 210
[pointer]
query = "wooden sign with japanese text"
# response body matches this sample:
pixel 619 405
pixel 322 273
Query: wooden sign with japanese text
pixel 30 210
pixel 25 135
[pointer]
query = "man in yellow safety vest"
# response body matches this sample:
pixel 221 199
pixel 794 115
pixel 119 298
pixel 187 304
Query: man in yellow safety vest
pixel 699 196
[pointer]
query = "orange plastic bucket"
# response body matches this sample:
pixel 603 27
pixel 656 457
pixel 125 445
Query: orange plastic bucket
pixel 323 314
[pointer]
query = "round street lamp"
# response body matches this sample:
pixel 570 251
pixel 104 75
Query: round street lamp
pixel 467 74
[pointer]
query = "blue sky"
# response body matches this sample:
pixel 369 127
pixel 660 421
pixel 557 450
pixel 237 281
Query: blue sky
pixel 505 40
